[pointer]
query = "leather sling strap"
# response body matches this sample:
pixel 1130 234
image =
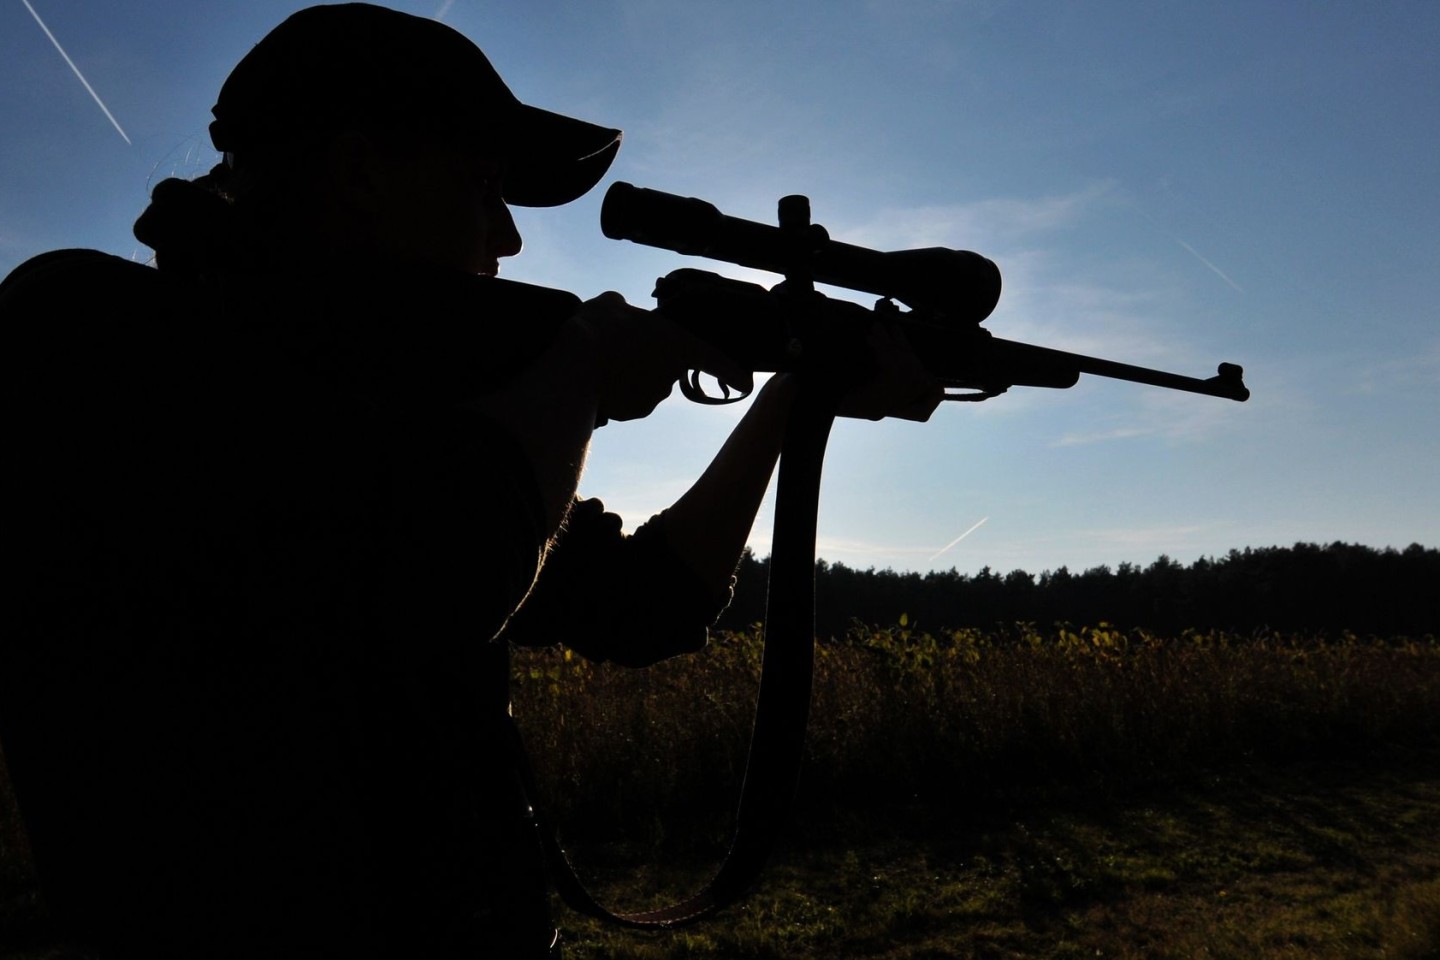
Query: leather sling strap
pixel 783 703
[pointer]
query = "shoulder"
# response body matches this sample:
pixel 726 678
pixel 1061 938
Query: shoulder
pixel 82 326
pixel 64 298
pixel 66 274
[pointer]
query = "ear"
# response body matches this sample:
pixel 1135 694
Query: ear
pixel 358 176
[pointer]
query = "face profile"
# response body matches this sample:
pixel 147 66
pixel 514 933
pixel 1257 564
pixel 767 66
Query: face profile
pixel 430 203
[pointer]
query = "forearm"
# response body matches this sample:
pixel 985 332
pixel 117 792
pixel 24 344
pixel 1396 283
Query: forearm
pixel 708 526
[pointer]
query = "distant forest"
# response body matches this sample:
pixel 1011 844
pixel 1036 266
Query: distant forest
pixel 1308 587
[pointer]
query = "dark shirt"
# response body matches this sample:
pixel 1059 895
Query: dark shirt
pixel 251 692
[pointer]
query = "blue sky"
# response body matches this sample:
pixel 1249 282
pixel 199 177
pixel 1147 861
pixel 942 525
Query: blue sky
pixel 1171 184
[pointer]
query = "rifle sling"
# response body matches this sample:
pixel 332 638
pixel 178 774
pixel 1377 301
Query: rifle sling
pixel 782 705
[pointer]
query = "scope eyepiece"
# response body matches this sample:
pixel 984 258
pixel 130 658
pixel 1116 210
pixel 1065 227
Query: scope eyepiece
pixel 655 219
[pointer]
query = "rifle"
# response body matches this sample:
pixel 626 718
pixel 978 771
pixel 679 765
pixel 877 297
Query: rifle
pixel 792 327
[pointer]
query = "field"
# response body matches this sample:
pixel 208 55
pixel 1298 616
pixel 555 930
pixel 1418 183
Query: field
pixel 1062 792
pixel 1024 793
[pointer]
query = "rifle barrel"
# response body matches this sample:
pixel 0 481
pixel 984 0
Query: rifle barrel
pixel 1228 382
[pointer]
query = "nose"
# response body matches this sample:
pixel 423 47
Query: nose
pixel 504 239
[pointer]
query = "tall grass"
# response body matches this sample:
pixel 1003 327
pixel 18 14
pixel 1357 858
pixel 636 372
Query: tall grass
pixel 965 717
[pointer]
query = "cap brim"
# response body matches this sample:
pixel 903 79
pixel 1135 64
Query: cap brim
pixel 553 159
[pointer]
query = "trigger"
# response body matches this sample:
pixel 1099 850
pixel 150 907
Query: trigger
pixel 693 387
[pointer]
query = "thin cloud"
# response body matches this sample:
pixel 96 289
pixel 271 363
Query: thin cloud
pixel 1047 299
pixel 842 549
pixel 1420 368
pixel 989 224
pixel 1101 436
pixel 81 77
pixel 1161 416
pixel 1160 537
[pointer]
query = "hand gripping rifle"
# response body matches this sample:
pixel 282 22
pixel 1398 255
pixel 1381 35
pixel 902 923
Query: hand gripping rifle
pixel 793 328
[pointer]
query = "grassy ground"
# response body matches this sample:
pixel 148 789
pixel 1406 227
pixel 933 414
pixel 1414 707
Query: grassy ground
pixel 1082 828
pixel 1316 860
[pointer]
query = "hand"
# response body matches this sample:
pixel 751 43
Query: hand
pixel 900 387
pixel 639 355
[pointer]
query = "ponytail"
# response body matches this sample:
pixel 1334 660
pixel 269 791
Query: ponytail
pixel 191 224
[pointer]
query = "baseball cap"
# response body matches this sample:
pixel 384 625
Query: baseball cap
pixel 359 66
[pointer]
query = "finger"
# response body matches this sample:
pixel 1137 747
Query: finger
pixel 735 377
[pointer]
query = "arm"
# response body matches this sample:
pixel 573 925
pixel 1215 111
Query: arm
pixel 639 599
pixel 708 526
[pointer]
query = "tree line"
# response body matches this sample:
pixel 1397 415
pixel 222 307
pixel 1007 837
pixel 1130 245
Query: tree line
pixel 1324 589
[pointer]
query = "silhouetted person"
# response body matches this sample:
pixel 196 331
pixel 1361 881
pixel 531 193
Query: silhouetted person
pixel 276 505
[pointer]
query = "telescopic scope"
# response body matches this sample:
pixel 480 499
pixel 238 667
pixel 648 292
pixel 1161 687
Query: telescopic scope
pixel 963 287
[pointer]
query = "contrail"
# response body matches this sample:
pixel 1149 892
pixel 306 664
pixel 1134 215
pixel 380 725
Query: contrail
pixel 959 538
pixel 1192 251
pixel 444 9
pixel 1218 272
pixel 78 74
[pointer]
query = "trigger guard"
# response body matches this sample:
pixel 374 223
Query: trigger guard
pixel 692 388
